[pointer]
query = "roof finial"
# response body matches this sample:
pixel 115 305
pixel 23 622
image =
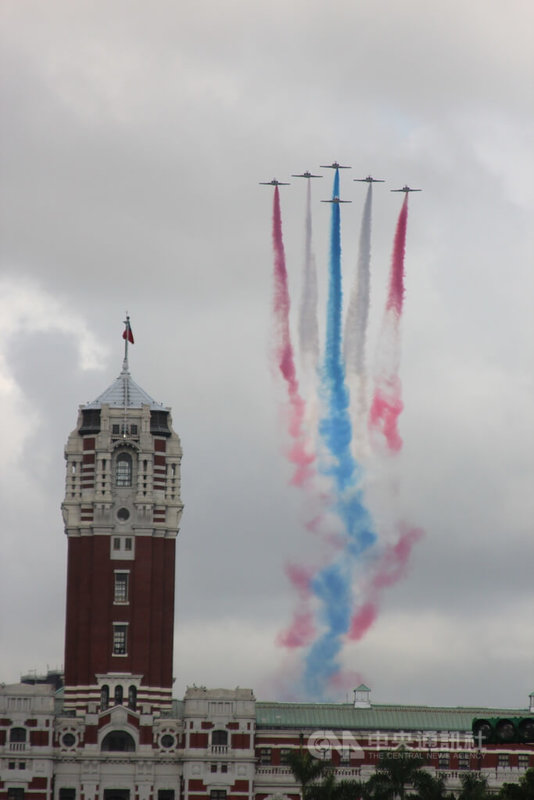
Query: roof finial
pixel 127 335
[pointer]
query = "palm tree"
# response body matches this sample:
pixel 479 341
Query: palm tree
pixel 306 769
pixel 430 787
pixel 394 772
pixel 474 787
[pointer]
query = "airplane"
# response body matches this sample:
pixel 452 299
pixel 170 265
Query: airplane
pixel 406 189
pixel 333 165
pixel 306 175
pixel 369 179
pixel 274 182
pixel 336 200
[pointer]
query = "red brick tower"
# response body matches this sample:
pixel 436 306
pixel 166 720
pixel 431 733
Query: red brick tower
pixel 122 511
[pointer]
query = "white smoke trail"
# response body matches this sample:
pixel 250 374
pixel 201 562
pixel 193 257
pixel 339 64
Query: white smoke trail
pixel 354 340
pixel 308 324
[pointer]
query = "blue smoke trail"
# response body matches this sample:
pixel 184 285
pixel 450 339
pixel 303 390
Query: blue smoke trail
pixel 332 584
pixel 333 588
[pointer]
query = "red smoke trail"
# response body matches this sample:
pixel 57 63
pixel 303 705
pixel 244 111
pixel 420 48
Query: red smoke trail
pixel 301 631
pixel 392 565
pixel 284 354
pixel 387 404
pixel 385 411
pixel 396 282
pixel 362 621
pixel 391 568
pixel 301 578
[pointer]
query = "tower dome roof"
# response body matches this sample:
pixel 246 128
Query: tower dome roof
pixel 125 393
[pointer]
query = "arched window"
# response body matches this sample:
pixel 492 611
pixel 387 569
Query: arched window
pixel 132 698
pixel 118 695
pixel 123 470
pixel 104 697
pixel 118 742
pixel 17 735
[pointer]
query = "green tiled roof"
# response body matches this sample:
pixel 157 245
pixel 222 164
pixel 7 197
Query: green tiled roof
pixel 377 717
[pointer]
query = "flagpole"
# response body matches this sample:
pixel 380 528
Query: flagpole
pixel 126 335
pixel 126 340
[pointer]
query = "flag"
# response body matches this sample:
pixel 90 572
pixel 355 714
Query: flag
pixel 127 333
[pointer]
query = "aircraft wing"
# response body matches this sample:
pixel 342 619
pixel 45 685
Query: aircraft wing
pixel 334 165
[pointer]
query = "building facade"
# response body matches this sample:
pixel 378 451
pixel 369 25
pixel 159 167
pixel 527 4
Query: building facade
pixel 114 732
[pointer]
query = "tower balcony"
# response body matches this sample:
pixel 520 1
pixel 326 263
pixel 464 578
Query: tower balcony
pixel 218 749
pixel 18 747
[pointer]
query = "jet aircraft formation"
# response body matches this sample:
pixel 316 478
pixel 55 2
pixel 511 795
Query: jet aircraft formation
pixel 337 166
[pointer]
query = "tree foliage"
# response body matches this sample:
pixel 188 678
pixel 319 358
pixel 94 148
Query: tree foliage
pixel 394 772
pixel 398 773
pixel 305 769
pixel 474 787
pixel 524 790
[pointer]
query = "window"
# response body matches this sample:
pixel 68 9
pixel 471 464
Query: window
pixel 503 761
pixel 265 755
pixel 68 740
pixel 121 587
pixel 104 697
pixel 213 768
pixel 523 761
pixel 224 767
pixel 132 698
pixel 17 735
pixel 116 543
pixel 13 765
pixel 118 695
pixel 443 761
pixel 284 755
pixel 123 470
pixel 90 421
pixel 159 424
pixel 120 639
pixel 67 794
pixel 118 742
pixel 219 738
pixel 128 543
pixel 15 793
pixel 218 794
pixel 116 794
pixel 165 794
pixel 464 762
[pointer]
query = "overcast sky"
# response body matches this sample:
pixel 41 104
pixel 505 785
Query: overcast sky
pixel 134 136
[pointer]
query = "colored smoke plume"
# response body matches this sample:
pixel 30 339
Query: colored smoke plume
pixel 298 454
pixel 390 569
pixel 308 323
pixel 387 404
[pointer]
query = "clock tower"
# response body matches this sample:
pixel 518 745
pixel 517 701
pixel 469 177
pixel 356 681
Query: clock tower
pixel 122 512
